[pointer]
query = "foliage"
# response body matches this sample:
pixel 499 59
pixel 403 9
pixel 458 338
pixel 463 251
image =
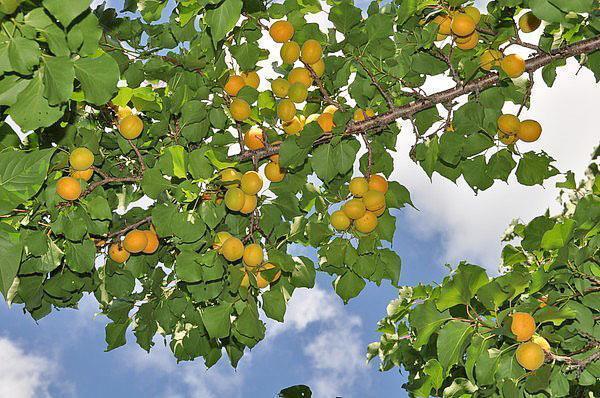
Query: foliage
pixel 68 75
pixel 455 338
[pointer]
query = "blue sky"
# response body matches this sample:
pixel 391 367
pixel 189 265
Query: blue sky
pixel 322 343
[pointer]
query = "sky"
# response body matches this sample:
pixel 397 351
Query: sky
pixel 322 342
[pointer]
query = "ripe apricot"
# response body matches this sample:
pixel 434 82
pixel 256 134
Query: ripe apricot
pixel 440 37
pixel 358 186
pixel 325 121
pixel 251 183
pixel 330 109
pixel 68 188
pixel 81 159
pixel 529 131
pixel 117 253
pixel 445 24
pixel 135 241
pixel 290 52
pixel 360 115
pixel 294 126
pixel 254 138
pixel 318 67
pixel 468 42
pixel 234 199
pixel 250 202
pixel 253 256
pixel 513 65
pixel 123 112
pixel 280 87
pixel 220 238
pixel 490 59
pixel 522 325
pixel 84 175
pixel 373 200
pixel 234 84
pixel 542 342
pixel 281 31
pixel 339 220
pixel 240 110
pixel 286 110
pixel 378 183
pixel 507 139
pixel 379 212
pixel 230 175
pixel 530 355
pixel 251 79
pixel 367 223
pixel 274 172
pixel 529 22
pixel 354 209
pixel 152 244
pixel 509 124
pixel 263 278
pixel 473 12
pixel 298 93
pixel 232 249
pixel 311 51
pixel 131 127
pixel 462 25
pixel 300 75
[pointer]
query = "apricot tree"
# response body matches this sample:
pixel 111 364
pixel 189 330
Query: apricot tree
pixel 150 128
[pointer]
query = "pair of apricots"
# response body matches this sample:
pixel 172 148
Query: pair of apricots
pixel 136 241
pixel 531 353
pixel 511 129
pixel 255 139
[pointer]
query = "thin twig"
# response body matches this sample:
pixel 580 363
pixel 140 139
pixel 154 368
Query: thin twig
pixel 139 156
pixel 383 92
pixel 527 93
pixel 129 228
pixel 326 97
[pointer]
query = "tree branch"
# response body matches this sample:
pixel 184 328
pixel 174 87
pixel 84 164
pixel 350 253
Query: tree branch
pixel 384 93
pixel 130 227
pixel 326 97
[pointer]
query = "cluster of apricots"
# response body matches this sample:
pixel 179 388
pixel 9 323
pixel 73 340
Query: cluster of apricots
pixel 81 161
pixel 531 353
pixel 254 139
pixel 136 241
pixel 130 126
pixel 241 195
pixel 511 129
pixel 252 257
pixel 240 109
pixel 367 205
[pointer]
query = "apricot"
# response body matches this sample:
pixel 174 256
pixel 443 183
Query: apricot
pixel 469 42
pixel 507 139
pixel 530 355
pixel 473 12
pixel 230 175
pixel 529 131
pixel 254 138
pixel 318 67
pixel 68 188
pixel 311 51
pixel 253 256
pixel 490 59
pixel 245 282
pixel 232 249
pixel 378 183
pixel 529 22
pixel 339 220
pixel 373 200
pixel 251 183
pixel 234 84
pixel 135 241
pixel 354 209
pixel 440 37
pixel 379 212
pixel 251 79
pixel 240 110
pixel 358 186
pixel 300 75
pixel 286 110
pixel 325 121
pixel 117 253
pixel 542 342
pixel 522 325
pixel 280 87
pixel 298 93
pixel 123 112
pixel 234 199
pixel 367 223
pixel 290 52
pixel 462 25
pixel 262 279
pixel 84 175
pixel 445 24
pixel 509 124
pixel 81 159
pixel 152 244
pixel 274 172
pixel 513 65
pixel 360 115
pixel 250 202
pixel 330 109
pixel 281 31
pixel 131 127
pixel 294 126
pixel 220 238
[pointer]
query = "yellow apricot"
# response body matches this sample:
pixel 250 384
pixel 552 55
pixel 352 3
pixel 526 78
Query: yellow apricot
pixel 250 202
pixel 367 223
pixel 378 183
pixel 84 175
pixel 530 355
pixel 468 42
pixel 474 13
pixel 339 220
pixel 251 183
pixel 440 37
pixel 68 188
pixel 542 342
pixel 290 52
pixel 311 51
pixel 240 110
pixel 373 200
pixel 325 121
pixel 220 238
pixel 81 158
pixel 280 87
pixel 234 199
pixel 330 109
pixel 131 127
pixel 152 244
pixel 135 241
pixel 379 212
pixel 232 249
pixel 529 131
pixel 318 67
pixel 230 175
pixel 529 22
pixel 262 279
pixel 507 139
pixel 234 84
pixel 522 326
pixel 462 25
pixel 253 256
pixel 489 59
pixel 358 186
pixel 298 93
pixel 513 65
pixel 286 110
pixel 354 209
pixel 294 126
pixel 445 24
pixel 251 79
pixel 360 115
pixel 254 138
pixel 281 31
pixel 300 75
pixel 123 112
pixel 274 172
pixel 117 253
pixel 509 124
pixel 245 282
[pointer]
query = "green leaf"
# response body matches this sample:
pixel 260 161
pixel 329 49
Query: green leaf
pixel 426 319
pixel 463 285
pixel 451 343
pixel 98 77
pixel 397 196
pixel 216 320
pixel 324 161
pixel 80 257
pixel 32 110
pixel 187 266
pixel 344 16
pixel 24 55
pixel 153 183
pixel 500 165
pixel 348 285
pixel 558 236
pixel 535 168
pixel 223 18
pixel 11 248
pixel 59 74
pixel 274 304
pixel 115 335
pixel 66 14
